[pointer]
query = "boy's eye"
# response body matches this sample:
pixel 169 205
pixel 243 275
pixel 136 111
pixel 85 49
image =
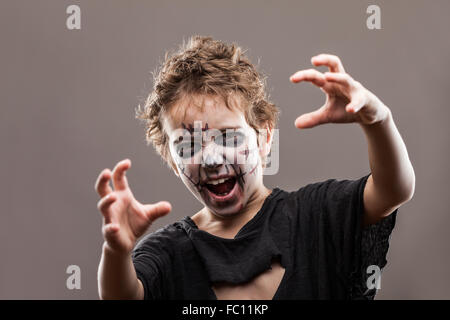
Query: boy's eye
pixel 188 149
pixel 230 139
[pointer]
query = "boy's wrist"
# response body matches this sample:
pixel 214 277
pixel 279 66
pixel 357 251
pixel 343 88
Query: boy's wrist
pixel 116 254
pixel 383 111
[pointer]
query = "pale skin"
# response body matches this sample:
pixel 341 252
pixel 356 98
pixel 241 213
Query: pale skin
pixel 390 185
pixel 223 221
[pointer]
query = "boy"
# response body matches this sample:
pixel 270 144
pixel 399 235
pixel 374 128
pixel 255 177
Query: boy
pixel 208 109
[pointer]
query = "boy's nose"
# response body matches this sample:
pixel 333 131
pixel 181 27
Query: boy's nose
pixel 211 159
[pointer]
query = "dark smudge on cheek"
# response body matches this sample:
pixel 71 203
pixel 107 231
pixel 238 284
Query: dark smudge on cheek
pixel 239 175
pixel 197 183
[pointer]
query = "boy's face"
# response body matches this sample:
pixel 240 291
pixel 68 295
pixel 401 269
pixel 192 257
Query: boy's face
pixel 216 153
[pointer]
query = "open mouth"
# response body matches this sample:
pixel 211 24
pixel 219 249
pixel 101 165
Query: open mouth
pixel 221 187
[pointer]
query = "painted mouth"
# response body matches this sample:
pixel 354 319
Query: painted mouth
pixel 221 187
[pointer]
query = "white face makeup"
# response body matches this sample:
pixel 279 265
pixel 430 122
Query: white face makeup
pixel 216 153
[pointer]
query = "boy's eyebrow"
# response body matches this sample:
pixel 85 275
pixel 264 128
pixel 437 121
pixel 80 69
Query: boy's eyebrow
pixel 223 130
pixel 181 138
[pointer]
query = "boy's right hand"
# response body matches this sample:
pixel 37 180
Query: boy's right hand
pixel 124 218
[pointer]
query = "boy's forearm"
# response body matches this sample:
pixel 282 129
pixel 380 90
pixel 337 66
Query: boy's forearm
pixel 392 172
pixel 117 277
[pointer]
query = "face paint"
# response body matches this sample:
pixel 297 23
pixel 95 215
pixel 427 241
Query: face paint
pixel 220 164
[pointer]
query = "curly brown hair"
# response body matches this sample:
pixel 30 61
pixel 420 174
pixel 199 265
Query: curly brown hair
pixel 209 67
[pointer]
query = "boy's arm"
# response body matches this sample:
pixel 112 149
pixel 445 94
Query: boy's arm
pixel 124 220
pixel 117 277
pixel 392 181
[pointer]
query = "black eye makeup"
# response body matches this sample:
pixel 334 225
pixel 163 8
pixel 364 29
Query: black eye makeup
pixel 188 149
pixel 230 139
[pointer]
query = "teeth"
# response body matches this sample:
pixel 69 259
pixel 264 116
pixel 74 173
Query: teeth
pixel 214 182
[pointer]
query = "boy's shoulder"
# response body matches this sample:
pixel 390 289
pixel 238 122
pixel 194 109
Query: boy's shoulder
pixel 307 190
pixel 167 236
pixel 328 186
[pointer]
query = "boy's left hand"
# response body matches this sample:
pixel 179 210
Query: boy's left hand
pixel 347 99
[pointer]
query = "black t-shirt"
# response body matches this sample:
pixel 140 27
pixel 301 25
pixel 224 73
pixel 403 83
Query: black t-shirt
pixel 316 232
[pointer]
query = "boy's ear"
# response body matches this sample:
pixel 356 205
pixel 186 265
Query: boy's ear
pixel 265 140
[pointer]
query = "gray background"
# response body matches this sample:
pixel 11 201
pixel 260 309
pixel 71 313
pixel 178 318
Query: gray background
pixel 67 112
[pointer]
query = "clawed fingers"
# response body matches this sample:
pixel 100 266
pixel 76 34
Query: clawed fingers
pixel 343 92
pixel 343 79
pixel 102 184
pixel 120 181
pixel 310 75
pixel 157 210
pixel 311 119
pixel 331 61
pixel 104 204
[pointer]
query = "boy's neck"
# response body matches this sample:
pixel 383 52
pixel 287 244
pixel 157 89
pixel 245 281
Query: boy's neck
pixel 228 227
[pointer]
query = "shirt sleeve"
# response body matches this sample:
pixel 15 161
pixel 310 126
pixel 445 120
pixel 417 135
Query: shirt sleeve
pixel 356 247
pixel 151 261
